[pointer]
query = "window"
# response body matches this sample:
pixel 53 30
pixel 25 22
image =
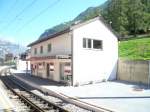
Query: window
pixel 97 44
pixel 84 42
pixel 89 43
pixel 92 44
pixel 49 47
pixel 35 50
pixel 41 49
pixel 67 64
pixel 40 66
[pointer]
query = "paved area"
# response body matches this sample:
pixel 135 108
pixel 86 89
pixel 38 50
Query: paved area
pixel 116 96
pixel 5 103
pixel 39 81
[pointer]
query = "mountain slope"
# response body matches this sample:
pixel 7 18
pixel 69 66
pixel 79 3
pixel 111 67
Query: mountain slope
pixel 89 13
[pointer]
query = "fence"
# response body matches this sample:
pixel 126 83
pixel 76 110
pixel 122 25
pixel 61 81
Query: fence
pixel 134 71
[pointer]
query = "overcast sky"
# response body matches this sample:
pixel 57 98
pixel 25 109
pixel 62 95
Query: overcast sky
pixel 23 21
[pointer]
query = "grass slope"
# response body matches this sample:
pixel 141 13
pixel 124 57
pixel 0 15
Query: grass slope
pixel 135 49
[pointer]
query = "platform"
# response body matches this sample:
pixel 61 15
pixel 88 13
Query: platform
pixel 5 103
pixel 116 96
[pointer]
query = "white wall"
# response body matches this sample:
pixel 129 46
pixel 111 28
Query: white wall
pixel 22 65
pixel 61 45
pixel 94 65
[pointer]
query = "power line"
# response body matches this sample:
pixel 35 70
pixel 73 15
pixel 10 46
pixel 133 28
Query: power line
pixel 19 14
pixel 10 9
pixel 39 14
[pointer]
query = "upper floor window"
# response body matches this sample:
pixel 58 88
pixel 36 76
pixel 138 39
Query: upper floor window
pixel 92 43
pixel 41 49
pixel 87 43
pixel 49 47
pixel 84 42
pixel 35 50
pixel 97 44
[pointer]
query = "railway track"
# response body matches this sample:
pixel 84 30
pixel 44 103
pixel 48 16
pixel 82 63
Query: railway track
pixel 33 101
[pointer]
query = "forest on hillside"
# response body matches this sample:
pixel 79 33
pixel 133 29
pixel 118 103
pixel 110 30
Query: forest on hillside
pixel 126 17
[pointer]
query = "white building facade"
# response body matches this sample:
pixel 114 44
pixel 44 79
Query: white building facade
pixel 84 53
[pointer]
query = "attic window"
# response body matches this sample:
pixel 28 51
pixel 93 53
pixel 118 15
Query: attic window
pixel 87 43
pixel 97 44
pixel 92 43
pixel 84 42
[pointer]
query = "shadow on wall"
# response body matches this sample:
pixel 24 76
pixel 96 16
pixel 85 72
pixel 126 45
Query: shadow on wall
pixel 113 72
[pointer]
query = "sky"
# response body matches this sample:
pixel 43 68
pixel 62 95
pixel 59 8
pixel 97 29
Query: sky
pixel 23 21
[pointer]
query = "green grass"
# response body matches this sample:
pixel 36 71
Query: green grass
pixel 135 49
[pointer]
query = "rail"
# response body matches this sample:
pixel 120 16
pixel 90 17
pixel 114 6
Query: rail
pixel 30 103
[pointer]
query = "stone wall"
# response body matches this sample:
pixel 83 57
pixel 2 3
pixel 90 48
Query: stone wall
pixel 134 71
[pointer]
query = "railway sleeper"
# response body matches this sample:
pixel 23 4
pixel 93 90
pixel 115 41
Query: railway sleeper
pixel 51 105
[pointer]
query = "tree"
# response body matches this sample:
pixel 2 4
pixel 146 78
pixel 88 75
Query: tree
pixel 128 16
pixel 135 16
pixel 146 14
pixel 116 14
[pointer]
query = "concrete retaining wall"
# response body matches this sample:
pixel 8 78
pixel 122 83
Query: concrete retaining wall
pixel 134 71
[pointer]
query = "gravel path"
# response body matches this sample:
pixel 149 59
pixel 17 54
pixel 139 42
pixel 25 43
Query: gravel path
pixel 57 101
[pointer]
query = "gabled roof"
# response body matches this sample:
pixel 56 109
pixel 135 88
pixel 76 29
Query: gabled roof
pixel 49 37
pixel 74 26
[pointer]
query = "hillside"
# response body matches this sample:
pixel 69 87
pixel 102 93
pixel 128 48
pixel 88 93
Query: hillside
pixel 89 13
pixel 127 17
pixel 136 49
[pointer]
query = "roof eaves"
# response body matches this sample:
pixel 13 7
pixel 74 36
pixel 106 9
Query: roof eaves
pixel 74 27
pixel 49 37
pixel 94 19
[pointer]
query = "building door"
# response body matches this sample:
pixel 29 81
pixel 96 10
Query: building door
pixel 65 72
pixel 47 68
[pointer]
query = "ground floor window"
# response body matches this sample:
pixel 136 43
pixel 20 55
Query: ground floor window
pixel 51 66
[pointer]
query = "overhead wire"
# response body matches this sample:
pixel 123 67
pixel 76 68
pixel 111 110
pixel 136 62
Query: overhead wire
pixel 10 9
pixel 19 14
pixel 39 14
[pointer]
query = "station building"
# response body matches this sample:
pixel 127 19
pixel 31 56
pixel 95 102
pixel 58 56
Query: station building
pixel 84 52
